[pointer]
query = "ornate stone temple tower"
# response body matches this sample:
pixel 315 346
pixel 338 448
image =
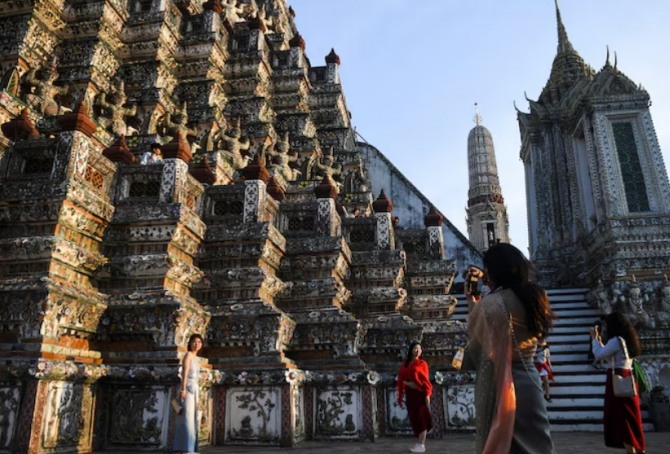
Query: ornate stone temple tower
pixel 243 232
pixel 598 195
pixel 486 212
pixel 597 188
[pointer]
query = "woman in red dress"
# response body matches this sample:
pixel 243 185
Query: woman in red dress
pixel 414 381
pixel 622 417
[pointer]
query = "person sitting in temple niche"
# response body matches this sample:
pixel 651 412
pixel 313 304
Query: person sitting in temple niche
pixel 42 92
pixel 280 159
pixel 167 127
pixel 155 156
pixel 113 113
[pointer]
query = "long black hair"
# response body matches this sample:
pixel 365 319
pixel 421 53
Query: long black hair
pixel 618 325
pixel 191 339
pixel 408 358
pixel 508 268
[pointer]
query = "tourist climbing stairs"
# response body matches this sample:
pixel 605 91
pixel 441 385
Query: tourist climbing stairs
pixel 579 388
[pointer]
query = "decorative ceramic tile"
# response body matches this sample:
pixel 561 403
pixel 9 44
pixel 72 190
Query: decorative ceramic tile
pixel 460 405
pixel 253 415
pixel 338 412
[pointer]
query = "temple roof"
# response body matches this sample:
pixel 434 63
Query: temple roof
pixel 567 69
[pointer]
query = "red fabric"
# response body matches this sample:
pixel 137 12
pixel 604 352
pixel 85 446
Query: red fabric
pixel 417 372
pixel 419 413
pixel 544 366
pixel 622 417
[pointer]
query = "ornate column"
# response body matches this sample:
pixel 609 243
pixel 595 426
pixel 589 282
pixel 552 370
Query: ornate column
pixel 384 236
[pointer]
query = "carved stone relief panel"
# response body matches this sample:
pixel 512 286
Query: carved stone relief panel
pixel 397 421
pixel 338 412
pixel 10 399
pixel 67 416
pixel 137 416
pixel 460 404
pixel 253 415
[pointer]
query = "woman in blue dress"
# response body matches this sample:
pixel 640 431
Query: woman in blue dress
pixel 186 434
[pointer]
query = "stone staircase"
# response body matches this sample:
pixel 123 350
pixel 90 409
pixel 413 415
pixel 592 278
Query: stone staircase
pixel 578 389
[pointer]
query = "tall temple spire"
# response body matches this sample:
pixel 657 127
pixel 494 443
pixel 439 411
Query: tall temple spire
pixel 564 44
pixel 486 213
pixel 567 69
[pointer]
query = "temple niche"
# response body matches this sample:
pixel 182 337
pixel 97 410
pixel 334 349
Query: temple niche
pixel 264 227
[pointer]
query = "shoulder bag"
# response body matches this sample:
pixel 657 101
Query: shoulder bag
pixel 623 386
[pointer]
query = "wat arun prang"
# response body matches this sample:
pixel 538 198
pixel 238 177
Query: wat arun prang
pixel 258 229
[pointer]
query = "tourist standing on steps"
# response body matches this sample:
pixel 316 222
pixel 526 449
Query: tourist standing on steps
pixel 543 366
pixel 504 328
pixel 186 432
pixel 414 382
pixel 622 417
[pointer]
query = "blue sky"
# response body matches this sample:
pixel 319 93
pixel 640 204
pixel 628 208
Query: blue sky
pixel 412 71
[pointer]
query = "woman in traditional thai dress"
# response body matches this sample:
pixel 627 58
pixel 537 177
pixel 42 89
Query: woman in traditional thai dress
pixel 622 417
pixel 186 433
pixel 543 366
pixel 504 328
pixel 414 382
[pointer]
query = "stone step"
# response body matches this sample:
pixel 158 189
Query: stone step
pixel 581 390
pixel 578 313
pixel 569 329
pixel 562 291
pixel 569 305
pixel 582 321
pixel 577 346
pixel 579 378
pixel 572 356
pixel 569 337
pixel 568 300
pixel 580 367
pixel 578 426
pixel 591 414
pixel 559 402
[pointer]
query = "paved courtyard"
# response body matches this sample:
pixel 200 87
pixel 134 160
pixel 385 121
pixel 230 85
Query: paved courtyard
pixel 566 443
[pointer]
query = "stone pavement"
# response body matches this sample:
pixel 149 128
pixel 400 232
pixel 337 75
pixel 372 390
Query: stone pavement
pixel 566 443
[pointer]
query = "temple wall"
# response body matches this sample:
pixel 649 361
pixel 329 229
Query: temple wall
pixel 411 206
